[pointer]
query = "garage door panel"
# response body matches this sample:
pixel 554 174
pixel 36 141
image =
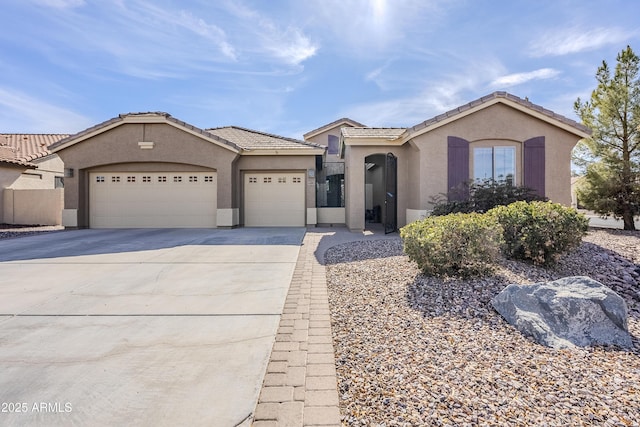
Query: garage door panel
pixel 153 200
pixel 274 199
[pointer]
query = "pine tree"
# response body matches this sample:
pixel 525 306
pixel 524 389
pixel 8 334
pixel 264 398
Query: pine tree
pixel 612 184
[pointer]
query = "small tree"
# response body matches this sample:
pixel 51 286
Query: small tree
pixel 612 184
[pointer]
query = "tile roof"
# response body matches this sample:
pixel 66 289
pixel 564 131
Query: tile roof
pixel 501 95
pixel 332 125
pixel 249 139
pixel 364 132
pixel 23 148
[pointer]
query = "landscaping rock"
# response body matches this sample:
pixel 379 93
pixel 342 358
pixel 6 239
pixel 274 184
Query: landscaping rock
pixel 572 311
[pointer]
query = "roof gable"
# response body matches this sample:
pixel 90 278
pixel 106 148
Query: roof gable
pixel 505 98
pixel 148 117
pixel 338 123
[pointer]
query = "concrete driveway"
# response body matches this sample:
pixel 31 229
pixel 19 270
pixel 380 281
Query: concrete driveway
pixel 140 327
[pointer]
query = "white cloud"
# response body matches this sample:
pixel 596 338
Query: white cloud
pixel 289 44
pixel 520 78
pixel 23 113
pixel 60 4
pixel 137 38
pixel 434 97
pixel 574 40
pixel 379 76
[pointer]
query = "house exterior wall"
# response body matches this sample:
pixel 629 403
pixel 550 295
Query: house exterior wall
pixel 43 177
pixel 323 139
pixel 495 125
pixel 117 149
pixel 8 175
pixel 355 182
pixel 21 178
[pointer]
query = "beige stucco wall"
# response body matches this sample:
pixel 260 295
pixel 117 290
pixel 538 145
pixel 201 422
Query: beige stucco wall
pixel 355 182
pixel 323 139
pixel 8 175
pixel 43 177
pixel 117 149
pixel 502 125
pixel 21 178
pixel 29 206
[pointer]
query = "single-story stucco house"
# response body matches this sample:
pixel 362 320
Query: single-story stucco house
pixel 153 170
pixel 31 179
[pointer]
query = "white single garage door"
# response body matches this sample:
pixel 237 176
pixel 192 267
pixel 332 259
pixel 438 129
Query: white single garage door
pixel 152 199
pixel 274 199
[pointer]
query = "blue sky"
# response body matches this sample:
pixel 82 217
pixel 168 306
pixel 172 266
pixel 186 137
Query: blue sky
pixel 287 67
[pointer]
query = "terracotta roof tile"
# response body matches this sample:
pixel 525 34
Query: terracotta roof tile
pixel 22 148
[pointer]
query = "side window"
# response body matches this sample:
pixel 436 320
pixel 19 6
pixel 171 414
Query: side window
pixel 332 145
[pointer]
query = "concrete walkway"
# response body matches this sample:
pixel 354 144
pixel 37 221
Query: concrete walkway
pixel 300 386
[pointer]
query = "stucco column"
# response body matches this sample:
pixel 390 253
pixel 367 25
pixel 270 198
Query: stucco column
pixel 355 186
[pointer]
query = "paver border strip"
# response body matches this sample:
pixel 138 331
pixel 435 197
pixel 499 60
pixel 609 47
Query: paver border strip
pixel 300 385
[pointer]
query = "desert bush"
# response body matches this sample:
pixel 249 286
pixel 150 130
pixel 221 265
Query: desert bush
pixel 482 196
pixel 453 245
pixel 539 232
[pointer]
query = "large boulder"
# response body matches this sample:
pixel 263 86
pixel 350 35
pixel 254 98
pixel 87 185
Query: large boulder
pixel 572 311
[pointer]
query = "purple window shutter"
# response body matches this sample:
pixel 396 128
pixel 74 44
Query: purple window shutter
pixel 457 164
pixel 534 165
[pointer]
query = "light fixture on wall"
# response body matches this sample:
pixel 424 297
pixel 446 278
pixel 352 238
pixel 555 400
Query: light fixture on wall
pixel 68 172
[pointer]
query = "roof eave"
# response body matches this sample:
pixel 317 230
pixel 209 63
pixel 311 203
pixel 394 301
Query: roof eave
pixel 18 164
pixel 372 141
pixel 283 152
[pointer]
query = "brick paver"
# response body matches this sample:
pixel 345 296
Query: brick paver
pixel 300 386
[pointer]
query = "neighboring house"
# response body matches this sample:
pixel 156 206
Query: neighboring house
pixel 28 171
pixel 152 170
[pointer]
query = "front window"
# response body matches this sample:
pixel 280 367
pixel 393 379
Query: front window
pixel 330 185
pixel 497 163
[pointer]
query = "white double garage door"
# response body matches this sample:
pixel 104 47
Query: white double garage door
pixel 189 199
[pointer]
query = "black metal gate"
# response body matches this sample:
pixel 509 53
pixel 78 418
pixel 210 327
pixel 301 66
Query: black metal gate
pixel 391 190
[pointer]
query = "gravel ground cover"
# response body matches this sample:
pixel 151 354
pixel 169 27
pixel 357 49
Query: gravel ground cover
pixel 415 350
pixel 8 231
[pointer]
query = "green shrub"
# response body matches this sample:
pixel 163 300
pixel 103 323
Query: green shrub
pixel 453 245
pixel 539 231
pixel 481 197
